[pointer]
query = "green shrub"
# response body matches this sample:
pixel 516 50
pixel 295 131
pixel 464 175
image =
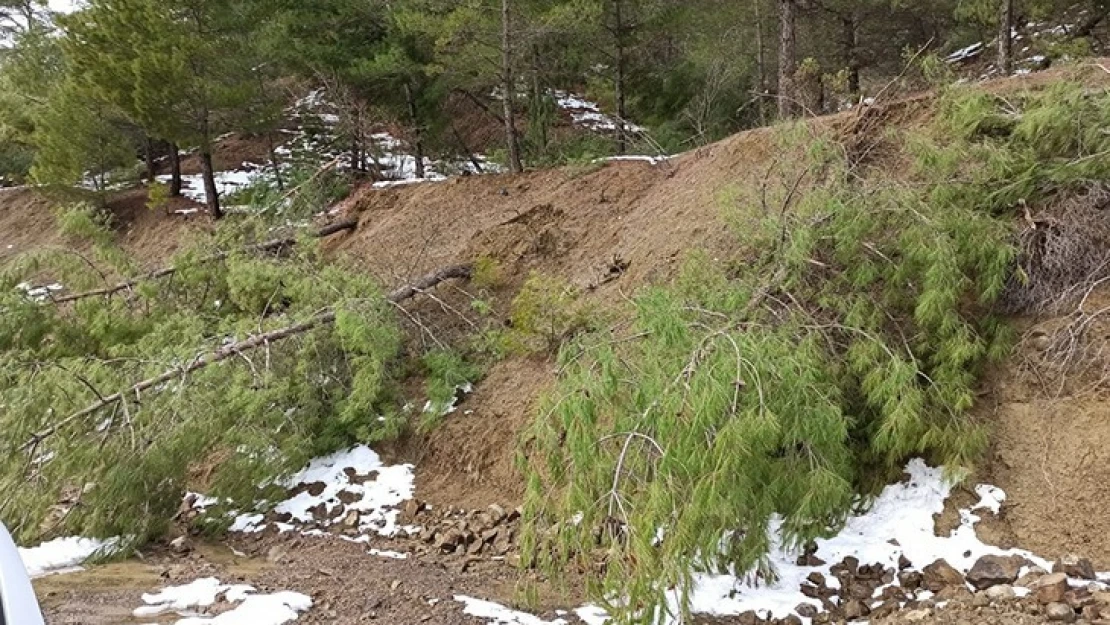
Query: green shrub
pixel 851 338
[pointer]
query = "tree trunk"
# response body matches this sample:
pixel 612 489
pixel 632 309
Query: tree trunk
pixel 761 62
pixel 540 113
pixel 274 162
pixel 148 153
pixel 175 171
pixel 211 195
pixel 417 131
pixel 619 32
pixel 1099 10
pixel 851 52
pixel 508 87
pixel 788 57
pixel 356 140
pixel 1005 36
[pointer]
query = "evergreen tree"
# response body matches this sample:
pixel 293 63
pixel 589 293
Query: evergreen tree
pixel 181 70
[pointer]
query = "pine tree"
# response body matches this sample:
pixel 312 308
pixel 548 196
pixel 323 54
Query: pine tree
pixel 181 71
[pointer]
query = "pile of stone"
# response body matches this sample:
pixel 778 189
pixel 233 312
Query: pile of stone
pixel 491 532
pixel 1070 593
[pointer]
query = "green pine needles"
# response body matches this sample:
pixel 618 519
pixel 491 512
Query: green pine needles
pixel 791 385
pixel 122 468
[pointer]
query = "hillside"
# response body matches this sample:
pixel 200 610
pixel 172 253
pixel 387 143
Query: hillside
pixel 608 229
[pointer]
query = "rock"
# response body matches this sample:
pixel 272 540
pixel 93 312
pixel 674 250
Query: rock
pixel 1001 593
pixel 855 609
pixel 1101 597
pixel 992 570
pixel 910 580
pixel 316 488
pixel 348 497
pixel 1050 588
pixel 496 513
pixel 412 508
pixel 816 578
pixel 904 562
pixel 1092 613
pixel 276 554
pixel 885 609
pixel 810 591
pixel 748 618
pixel 352 518
pixel 980 600
pixel 1031 575
pixel 916 616
pixel 180 545
pixel 790 619
pixel 1060 612
pixel 806 610
pixel 395 585
pixel 940 575
pixel 1074 566
pixel 1078 598
pixel 447 541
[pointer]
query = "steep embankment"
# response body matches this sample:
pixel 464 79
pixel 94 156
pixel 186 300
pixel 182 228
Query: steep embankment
pixel 611 227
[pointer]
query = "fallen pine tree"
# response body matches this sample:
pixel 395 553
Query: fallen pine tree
pixel 264 247
pixel 115 395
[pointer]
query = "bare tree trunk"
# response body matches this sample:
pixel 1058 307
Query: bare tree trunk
pixel 356 136
pixel 148 154
pixel 417 130
pixel 761 61
pixel 850 24
pixel 211 194
pixel 175 170
pixel 788 57
pixel 539 114
pixel 619 32
pixel 1005 37
pixel 275 162
pixel 508 87
pixel 466 148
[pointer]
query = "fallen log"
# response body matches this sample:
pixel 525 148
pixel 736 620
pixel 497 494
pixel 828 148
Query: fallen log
pixel 255 341
pixel 267 246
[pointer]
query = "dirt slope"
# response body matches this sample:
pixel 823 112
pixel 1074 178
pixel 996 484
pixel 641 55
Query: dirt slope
pixel 1050 449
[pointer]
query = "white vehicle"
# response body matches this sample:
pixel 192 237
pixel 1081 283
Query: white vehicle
pixel 18 605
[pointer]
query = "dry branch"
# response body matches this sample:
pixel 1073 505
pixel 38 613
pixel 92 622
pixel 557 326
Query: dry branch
pixel 255 341
pixel 267 246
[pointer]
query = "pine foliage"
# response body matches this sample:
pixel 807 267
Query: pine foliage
pixel 756 405
pixel 123 469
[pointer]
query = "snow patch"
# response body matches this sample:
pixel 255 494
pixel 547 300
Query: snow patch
pixel 253 609
pixel 373 489
pixel 62 555
pixel 497 614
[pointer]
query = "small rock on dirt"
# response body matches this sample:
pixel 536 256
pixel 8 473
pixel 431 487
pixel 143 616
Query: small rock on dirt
pixel 1001 593
pixel 940 575
pixel 1060 612
pixel 1050 588
pixel 992 570
pixel 1074 566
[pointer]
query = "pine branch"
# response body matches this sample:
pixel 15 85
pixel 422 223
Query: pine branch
pixel 231 350
pixel 267 246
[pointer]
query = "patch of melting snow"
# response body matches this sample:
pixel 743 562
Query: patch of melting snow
pixel 497 614
pixel 62 555
pixel 252 609
pixel 39 293
pixel 963 54
pixel 899 523
pixel 346 482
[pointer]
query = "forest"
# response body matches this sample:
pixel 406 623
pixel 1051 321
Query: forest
pixel 91 91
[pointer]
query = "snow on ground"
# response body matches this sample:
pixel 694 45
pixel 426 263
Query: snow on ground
pixel 588 114
pixel 252 608
pixel 497 614
pixel 227 182
pixel 61 555
pixel 39 293
pixel 356 476
pixel 899 523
